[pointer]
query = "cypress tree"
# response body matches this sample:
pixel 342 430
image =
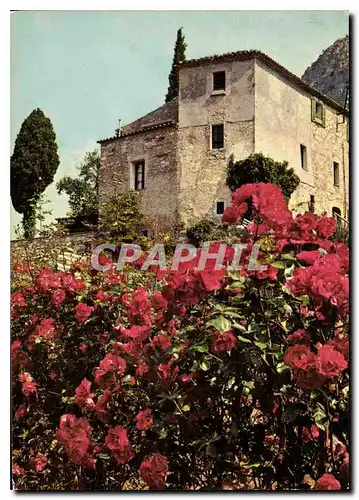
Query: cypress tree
pixel 33 166
pixel 178 56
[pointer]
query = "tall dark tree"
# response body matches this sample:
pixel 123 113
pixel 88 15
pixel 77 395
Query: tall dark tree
pixel 178 56
pixel 33 166
pixel 83 190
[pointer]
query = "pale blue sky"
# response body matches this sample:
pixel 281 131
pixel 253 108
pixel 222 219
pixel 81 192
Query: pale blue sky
pixel 86 69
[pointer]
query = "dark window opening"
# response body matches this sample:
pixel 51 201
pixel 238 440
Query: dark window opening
pixel 217 136
pixel 336 213
pixel 336 173
pixel 311 204
pixel 219 207
pixel 140 175
pixel 303 157
pixel 219 80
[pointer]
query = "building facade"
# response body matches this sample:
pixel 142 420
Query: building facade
pixel 238 103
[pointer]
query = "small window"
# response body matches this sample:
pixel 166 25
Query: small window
pixel 218 136
pixel 318 112
pixel 303 157
pixel 336 173
pixel 336 213
pixel 219 80
pixel 139 175
pixel 311 204
pixel 219 207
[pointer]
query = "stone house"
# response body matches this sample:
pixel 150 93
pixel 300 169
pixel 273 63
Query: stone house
pixel 236 103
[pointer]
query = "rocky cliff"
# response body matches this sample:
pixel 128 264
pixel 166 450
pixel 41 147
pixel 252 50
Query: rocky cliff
pixel 330 72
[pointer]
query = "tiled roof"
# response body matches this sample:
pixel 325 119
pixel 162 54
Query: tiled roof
pixel 167 114
pixel 163 116
pixel 257 54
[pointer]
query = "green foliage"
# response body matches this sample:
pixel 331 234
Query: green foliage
pixel 342 232
pixel 83 190
pixel 178 57
pixel 122 220
pixel 202 231
pixel 212 229
pixel 33 166
pixel 259 168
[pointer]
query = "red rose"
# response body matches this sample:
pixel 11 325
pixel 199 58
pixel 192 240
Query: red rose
pixel 309 257
pixel 113 363
pixel 326 227
pixel 299 356
pixel 163 342
pixel 233 212
pixel 223 342
pixel 74 435
pixel 330 362
pixel 38 463
pixel 17 471
pixel 84 395
pixel 104 379
pixel 327 482
pixel 82 312
pixel 58 297
pixel 20 412
pixel 28 388
pixel 144 420
pixel 101 406
pixel 158 301
pixel 309 435
pixel 153 471
pixel 117 441
pixel 298 337
pixel 141 370
pixel 341 345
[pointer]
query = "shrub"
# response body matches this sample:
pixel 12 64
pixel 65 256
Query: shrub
pixel 260 168
pixel 190 380
pixel 121 220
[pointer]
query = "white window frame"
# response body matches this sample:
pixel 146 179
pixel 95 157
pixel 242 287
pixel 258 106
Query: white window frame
pixel 225 202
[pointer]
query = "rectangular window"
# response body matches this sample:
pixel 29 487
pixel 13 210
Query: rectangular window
pixel 219 207
pixel 303 157
pixel 336 173
pixel 139 175
pixel 318 112
pixel 219 80
pixel 218 136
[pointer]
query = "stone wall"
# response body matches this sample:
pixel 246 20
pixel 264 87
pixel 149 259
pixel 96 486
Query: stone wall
pixel 262 111
pixel 203 170
pixel 158 149
pixel 283 122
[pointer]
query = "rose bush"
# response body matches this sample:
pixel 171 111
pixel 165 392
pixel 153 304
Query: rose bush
pixel 188 380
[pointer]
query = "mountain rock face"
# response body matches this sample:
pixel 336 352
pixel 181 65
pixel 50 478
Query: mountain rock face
pixel 330 72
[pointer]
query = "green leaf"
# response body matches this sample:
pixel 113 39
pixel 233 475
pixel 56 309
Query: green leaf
pixel 220 323
pixel 204 366
pixel 238 326
pixel 288 256
pixel 279 264
pixel 200 348
pixel 261 345
pixel 243 339
pixel 249 384
pixel 282 367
